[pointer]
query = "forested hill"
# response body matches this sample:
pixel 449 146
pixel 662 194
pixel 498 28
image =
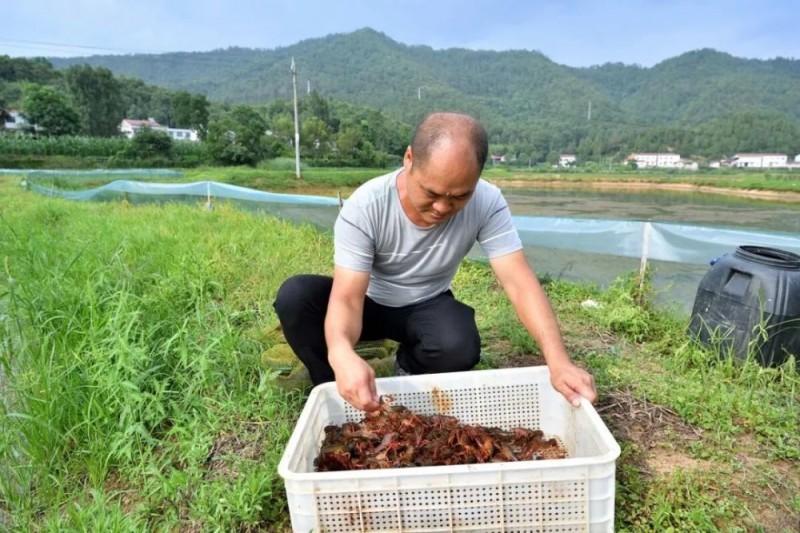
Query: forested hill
pixel 366 67
pixel 702 102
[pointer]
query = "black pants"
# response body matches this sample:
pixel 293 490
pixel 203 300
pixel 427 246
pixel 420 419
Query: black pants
pixel 438 335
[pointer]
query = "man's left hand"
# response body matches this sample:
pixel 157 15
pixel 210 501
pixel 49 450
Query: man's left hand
pixel 573 382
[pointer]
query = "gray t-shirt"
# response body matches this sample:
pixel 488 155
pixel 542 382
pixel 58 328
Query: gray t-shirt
pixel 410 264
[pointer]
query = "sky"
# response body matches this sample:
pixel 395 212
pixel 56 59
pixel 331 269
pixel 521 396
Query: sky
pixel 577 33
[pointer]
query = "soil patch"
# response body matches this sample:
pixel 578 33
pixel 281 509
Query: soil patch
pixel 662 441
pixel 653 427
pixel 764 483
pixel 247 443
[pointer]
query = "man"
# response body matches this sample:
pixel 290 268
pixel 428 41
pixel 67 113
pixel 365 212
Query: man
pixel 399 240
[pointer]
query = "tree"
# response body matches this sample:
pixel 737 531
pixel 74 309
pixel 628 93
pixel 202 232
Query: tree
pixel 150 144
pixel 355 150
pixel 136 96
pixel 49 110
pixel 282 126
pixel 190 111
pixel 35 70
pixel 181 109
pixel 200 114
pixel 239 137
pixel 348 142
pixel 315 136
pixel 98 97
pixel 318 107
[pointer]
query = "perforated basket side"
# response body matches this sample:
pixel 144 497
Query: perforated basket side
pixel 564 498
pixel 575 494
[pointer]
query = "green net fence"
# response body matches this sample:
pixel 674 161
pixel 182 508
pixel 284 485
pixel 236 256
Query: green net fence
pixel 576 249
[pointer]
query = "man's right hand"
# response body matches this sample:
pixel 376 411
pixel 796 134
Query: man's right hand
pixel 355 381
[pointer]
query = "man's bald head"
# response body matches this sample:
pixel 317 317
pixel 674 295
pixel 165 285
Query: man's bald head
pixel 453 126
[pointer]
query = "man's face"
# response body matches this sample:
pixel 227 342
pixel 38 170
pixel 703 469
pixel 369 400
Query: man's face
pixel 442 186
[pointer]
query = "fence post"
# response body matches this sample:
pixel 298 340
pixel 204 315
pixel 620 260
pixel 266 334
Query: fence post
pixel 646 227
pixel 209 205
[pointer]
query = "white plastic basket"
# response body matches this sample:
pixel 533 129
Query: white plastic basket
pixel 559 495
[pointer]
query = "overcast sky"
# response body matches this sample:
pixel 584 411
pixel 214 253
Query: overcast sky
pixel 570 32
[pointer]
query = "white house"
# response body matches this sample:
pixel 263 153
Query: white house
pixel 130 127
pixel 182 134
pixel 567 160
pixel 15 121
pixel 655 160
pixel 759 161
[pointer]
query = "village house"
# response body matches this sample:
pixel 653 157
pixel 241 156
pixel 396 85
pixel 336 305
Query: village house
pixel 567 160
pixel 655 160
pixel 759 161
pixel 15 121
pixel 130 127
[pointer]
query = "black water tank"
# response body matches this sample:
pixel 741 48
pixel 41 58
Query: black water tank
pixel 754 287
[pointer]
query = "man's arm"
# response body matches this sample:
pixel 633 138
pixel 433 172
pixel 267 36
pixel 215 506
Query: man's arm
pixel 355 379
pixel 536 314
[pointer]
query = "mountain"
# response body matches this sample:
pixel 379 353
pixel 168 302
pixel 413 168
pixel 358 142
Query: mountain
pixel 520 90
pixel 698 86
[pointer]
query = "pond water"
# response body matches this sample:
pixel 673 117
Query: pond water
pixel 676 283
pixel 681 207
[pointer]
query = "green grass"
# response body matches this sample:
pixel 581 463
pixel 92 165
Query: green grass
pixel 130 343
pixel 125 347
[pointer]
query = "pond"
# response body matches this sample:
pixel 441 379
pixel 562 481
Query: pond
pixel 676 283
pixel 682 207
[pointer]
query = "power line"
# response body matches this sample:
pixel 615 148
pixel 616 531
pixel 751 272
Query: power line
pixel 177 58
pixel 25 43
pixel 188 56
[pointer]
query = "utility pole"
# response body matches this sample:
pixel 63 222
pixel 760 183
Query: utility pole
pixel 296 125
pixel 589 114
pixel 419 92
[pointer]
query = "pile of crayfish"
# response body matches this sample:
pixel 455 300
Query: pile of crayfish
pixel 394 437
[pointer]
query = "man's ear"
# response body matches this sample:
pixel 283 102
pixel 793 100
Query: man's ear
pixel 408 159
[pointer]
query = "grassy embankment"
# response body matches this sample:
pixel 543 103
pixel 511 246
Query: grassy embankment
pixel 328 181
pixel 279 175
pixel 130 340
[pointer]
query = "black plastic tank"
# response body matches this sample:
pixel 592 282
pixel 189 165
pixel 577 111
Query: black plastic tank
pixel 750 300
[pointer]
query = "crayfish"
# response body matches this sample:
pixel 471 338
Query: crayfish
pixel 395 437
